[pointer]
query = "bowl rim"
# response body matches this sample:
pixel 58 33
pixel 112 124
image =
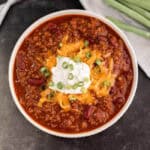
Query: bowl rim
pixel 59 14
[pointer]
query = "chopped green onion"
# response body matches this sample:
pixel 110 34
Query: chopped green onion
pixel 71 66
pixel 81 83
pixel 72 98
pixel 44 70
pixel 65 65
pixel 83 90
pixel 51 83
pixel 86 43
pixel 68 87
pixel 106 83
pixel 86 79
pixel 77 59
pixel 60 85
pixel 49 96
pixel 88 54
pixel 98 62
pixel 75 86
pixel 59 57
pixel 47 74
pixel 70 76
pixel 60 45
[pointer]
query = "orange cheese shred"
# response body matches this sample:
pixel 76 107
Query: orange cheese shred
pixel 102 76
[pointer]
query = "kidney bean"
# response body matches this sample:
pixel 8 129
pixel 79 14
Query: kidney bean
pixel 54 29
pixel 91 39
pixel 89 111
pixel 35 81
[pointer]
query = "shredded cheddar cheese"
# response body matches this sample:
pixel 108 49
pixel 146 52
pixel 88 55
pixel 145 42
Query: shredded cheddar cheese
pixel 102 76
pixel 63 101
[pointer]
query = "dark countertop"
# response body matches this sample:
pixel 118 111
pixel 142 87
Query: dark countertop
pixel 131 132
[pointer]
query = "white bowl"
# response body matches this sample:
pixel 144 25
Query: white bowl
pixel 117 116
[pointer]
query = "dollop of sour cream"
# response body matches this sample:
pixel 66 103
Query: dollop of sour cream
pixel 70 77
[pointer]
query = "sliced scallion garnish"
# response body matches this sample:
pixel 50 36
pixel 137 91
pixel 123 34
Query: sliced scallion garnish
pixel 98 62
pixel 68 87
pixel 51 95
pixel 71 66
pixel 75 86
pixel 88 54
pixel 70 76
pixel 77 59
pixel 86 79
pixel 47 74
pixel 65 65
pixel 44 70
pixel 83 90
pixel 51 83
pixel 72 98
pixel 60 85
pixel 106 83
pixel 86 43
pixel 59 56
pixel 80 83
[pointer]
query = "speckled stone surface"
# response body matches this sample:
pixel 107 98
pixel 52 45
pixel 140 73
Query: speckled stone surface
pixel 131 132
